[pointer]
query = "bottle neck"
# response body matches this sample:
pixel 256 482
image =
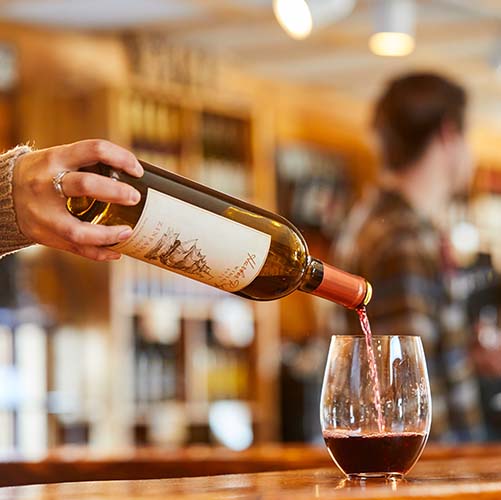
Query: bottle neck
pixel 338 286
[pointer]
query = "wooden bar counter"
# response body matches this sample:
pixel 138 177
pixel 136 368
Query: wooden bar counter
pixel 80 464
pixel 452 473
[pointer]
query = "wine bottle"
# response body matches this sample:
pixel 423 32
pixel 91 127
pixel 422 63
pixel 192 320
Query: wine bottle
pixel 206 235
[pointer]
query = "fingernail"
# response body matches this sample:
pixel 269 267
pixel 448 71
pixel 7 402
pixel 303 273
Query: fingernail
pixel 135 197
pixel 139 169
pixel 125 234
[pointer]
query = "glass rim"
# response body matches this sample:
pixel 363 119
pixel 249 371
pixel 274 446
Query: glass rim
pixel 389 335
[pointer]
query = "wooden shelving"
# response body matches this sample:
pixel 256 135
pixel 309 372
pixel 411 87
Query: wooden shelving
pixel 188 113
pixel 212 144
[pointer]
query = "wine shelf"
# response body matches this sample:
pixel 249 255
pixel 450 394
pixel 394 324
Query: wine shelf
pixel 209 371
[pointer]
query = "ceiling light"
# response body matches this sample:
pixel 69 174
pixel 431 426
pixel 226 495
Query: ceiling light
pixel 395 22
pixel 392 44
pixel 300 17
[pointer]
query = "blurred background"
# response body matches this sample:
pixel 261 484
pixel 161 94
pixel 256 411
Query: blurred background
pixel 272 107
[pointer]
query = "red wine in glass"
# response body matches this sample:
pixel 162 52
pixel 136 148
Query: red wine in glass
pixel 379 453
pixel 359 448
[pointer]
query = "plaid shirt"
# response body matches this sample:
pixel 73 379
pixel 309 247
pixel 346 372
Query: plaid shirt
pixel 400 254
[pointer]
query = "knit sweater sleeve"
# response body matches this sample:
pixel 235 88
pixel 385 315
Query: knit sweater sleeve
pixel 11 238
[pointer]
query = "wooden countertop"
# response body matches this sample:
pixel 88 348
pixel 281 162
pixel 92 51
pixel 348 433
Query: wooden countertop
pixel 81 464
pixel 450 478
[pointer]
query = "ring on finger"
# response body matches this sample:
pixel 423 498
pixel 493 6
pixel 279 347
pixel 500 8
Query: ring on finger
pixel 57 181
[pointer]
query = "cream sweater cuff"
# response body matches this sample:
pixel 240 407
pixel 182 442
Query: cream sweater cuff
pixel 11 238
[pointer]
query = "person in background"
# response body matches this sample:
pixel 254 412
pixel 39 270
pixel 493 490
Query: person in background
pixel 34 186
pixel 393 238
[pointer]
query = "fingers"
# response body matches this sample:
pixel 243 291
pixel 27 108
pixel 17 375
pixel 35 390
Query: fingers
pixel 83 153
pixel 89 240
pixel 86 234
pixel 96 253
pixel 91 252
pixel 99 187
pixel 99 254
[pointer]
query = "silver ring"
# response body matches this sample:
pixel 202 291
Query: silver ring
pixel 57 181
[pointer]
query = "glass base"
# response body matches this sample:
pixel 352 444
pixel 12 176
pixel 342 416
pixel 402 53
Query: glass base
pixel 362 476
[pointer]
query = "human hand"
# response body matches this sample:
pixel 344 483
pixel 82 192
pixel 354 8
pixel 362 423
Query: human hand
pixel 41 213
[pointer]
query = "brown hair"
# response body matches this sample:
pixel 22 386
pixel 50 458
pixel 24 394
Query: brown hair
pixel 411 110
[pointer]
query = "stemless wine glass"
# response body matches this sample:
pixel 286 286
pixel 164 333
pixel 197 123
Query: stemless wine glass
pixel 375 425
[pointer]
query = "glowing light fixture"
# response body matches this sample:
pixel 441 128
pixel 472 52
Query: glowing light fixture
pixel 300 17
pixel 395 25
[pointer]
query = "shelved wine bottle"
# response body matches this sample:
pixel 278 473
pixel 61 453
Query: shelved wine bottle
pixel 206 235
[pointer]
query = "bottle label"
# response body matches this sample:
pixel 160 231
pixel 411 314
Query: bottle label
pixel 196 243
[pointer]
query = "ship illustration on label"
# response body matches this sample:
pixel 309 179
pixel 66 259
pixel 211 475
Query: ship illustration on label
pixel 183 256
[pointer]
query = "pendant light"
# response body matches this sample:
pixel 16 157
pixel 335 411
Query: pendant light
pixel 300 17
pixel 395 22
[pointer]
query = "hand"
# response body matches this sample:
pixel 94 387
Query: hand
pixel 41 213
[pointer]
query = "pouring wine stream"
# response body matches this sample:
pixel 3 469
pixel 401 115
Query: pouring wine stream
pixel 366 328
